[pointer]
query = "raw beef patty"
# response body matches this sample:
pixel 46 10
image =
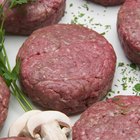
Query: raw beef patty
pixel 4 101
pixel 108 2
pixel 115 119
pixel 66 67
pixel 23 20
pixel 129 29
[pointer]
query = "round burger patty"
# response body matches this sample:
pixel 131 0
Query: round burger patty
pixel 129 29
pixel 66 67
pixel 4 101
pixel 109 2
pixel 23 20
pixel 115 119
pixel 16 138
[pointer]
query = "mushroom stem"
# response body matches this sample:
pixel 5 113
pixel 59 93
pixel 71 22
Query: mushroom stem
pixel 49 119
pixel 66 131
pixel 52 131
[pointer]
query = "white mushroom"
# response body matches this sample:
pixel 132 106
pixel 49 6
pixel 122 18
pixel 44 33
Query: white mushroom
pixel 49 125
pixel 18 128
pixel 52 131
pixel 45 125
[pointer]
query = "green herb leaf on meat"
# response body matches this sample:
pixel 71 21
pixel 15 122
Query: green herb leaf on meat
pixel 18 2
pixel 115 99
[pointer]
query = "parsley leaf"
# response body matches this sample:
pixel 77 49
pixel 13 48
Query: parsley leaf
pixel 18 2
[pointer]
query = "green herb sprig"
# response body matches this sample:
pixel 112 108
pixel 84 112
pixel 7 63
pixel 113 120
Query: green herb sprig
pixel 11 76
pixel 15 3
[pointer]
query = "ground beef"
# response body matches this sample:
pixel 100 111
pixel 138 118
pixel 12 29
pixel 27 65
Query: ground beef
pixel 23 20
pixel 109 2
pixel 129 29
pixel 115 119
pixel 4 101
pixel 66 67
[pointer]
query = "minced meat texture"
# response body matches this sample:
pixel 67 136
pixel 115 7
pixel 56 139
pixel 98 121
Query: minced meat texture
pixel 128 25
pixel 66 67
pixel 4 101
pixel 109 2
pixel 24 19
pixel 115 119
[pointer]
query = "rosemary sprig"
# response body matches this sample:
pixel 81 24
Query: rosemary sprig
pixel 11 76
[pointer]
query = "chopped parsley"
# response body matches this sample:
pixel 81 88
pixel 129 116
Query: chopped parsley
pixel 71 4
pixel 136 88
pixel 81 14
pixel 129 79
pixel 134 66
pixel 85 5
pixel 121 64
pixel 102 33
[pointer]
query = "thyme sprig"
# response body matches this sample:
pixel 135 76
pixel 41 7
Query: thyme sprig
pixel 11 76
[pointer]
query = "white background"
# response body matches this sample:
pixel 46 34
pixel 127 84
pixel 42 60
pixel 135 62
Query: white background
pixel 96 17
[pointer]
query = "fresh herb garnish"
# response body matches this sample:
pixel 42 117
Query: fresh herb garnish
pixel 134 66
pixel 120 64
pixel 11 76
pixel 115 99
pixel 110 93
pixel 71 5
pixel 103 33
pixel 86 6
pixel 15 3
pixel 107 27
pixel 137 87
pixel 81 14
